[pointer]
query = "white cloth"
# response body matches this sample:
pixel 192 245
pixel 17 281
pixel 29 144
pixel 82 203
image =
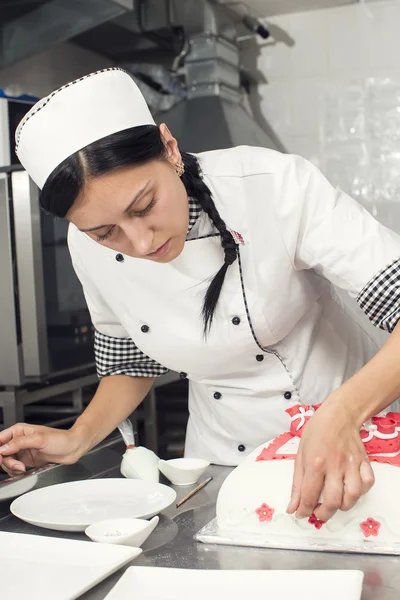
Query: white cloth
pixel 300 237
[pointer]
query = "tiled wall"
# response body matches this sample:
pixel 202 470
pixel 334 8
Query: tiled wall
pixel 336 45
pixel 350 48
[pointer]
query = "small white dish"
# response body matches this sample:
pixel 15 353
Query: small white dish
pixel 124 532
pixel 183 471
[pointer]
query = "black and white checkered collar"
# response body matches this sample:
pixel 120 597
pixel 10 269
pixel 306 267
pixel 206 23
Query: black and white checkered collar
pixel 195 211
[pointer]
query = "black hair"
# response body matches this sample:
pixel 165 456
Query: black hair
pixel 126 148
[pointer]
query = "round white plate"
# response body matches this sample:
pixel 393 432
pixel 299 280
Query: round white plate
pixel 75 505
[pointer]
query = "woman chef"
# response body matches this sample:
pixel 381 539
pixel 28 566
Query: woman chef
pixel 221 267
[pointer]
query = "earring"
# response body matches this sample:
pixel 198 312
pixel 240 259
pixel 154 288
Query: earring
pixel 180 168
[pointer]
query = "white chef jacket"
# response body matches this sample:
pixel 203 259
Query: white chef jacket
pixel 281 335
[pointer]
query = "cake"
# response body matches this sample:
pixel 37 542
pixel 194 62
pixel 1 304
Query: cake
pixel 254 497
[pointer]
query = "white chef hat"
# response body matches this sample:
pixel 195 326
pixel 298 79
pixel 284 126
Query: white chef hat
pixel 76 115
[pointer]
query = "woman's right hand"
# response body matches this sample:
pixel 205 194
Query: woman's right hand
pixel 24 445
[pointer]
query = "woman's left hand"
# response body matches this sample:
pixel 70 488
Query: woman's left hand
pixel 331 460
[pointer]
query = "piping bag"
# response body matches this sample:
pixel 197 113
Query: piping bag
pixel 137 462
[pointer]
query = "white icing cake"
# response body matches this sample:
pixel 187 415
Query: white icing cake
pixel 254 497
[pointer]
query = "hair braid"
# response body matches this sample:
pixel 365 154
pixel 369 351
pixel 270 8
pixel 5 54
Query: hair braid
pixel 196 188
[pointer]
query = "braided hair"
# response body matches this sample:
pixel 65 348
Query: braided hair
pixel 129 147
pixel 196 188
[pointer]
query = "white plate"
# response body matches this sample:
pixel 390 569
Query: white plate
pixel 147 583
pixel 75 505
pixel 44 568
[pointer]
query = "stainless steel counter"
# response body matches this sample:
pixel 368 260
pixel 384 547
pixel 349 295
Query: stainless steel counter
pixel 172 543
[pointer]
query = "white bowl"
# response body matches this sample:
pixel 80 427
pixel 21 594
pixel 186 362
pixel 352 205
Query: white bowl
pixel 183 471
pixel 140 463
pixel 126 532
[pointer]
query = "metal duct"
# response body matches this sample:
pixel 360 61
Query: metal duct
pixel 214 115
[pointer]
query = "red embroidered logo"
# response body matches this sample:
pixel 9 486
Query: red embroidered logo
pixel 370 527
pixel 265 512
pixel 237 237
pixel 316 522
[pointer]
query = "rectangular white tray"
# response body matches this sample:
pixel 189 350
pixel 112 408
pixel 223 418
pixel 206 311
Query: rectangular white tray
pixel 210 534
pixel 37 567
pixel 149 583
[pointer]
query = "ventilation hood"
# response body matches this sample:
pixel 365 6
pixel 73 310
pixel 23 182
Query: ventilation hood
pixel 215 113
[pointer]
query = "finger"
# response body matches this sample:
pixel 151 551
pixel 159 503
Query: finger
pixel 313 482
pixel 10 463
pixel 19 429
pixel 7 434
pixel 24 442
pixel 296 485
pixel 8 468
pixel 367 476
pixel 13 474
pixel 332 497
pixel 352 485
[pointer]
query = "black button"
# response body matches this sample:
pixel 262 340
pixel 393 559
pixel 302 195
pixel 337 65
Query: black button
pixel 145 328
pixel 288 395
pixel 260 357
pixel 236 320
pixel 183 375
pixel 119 258
pixel 241 448
pixel 217 396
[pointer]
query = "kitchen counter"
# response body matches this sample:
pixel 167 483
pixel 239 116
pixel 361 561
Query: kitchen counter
pixel 172 543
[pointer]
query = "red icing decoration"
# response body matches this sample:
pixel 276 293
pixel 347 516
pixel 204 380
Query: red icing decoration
pixel 265 512
pixel 298 411
pixel 295 409
pixel 316 522
pixel 384 424
pixel 395 416
pixel 270 453
pixel 376 445
pixel 390 460
pixel 265 455
pixel 370 527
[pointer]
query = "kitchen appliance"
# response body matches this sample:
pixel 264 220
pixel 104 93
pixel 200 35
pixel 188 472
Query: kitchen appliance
pixel 45 324
pixel 46 338
pixel 12 110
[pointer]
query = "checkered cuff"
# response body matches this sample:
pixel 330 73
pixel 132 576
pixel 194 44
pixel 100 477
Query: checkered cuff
pixel 380 298
pixel 120 356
